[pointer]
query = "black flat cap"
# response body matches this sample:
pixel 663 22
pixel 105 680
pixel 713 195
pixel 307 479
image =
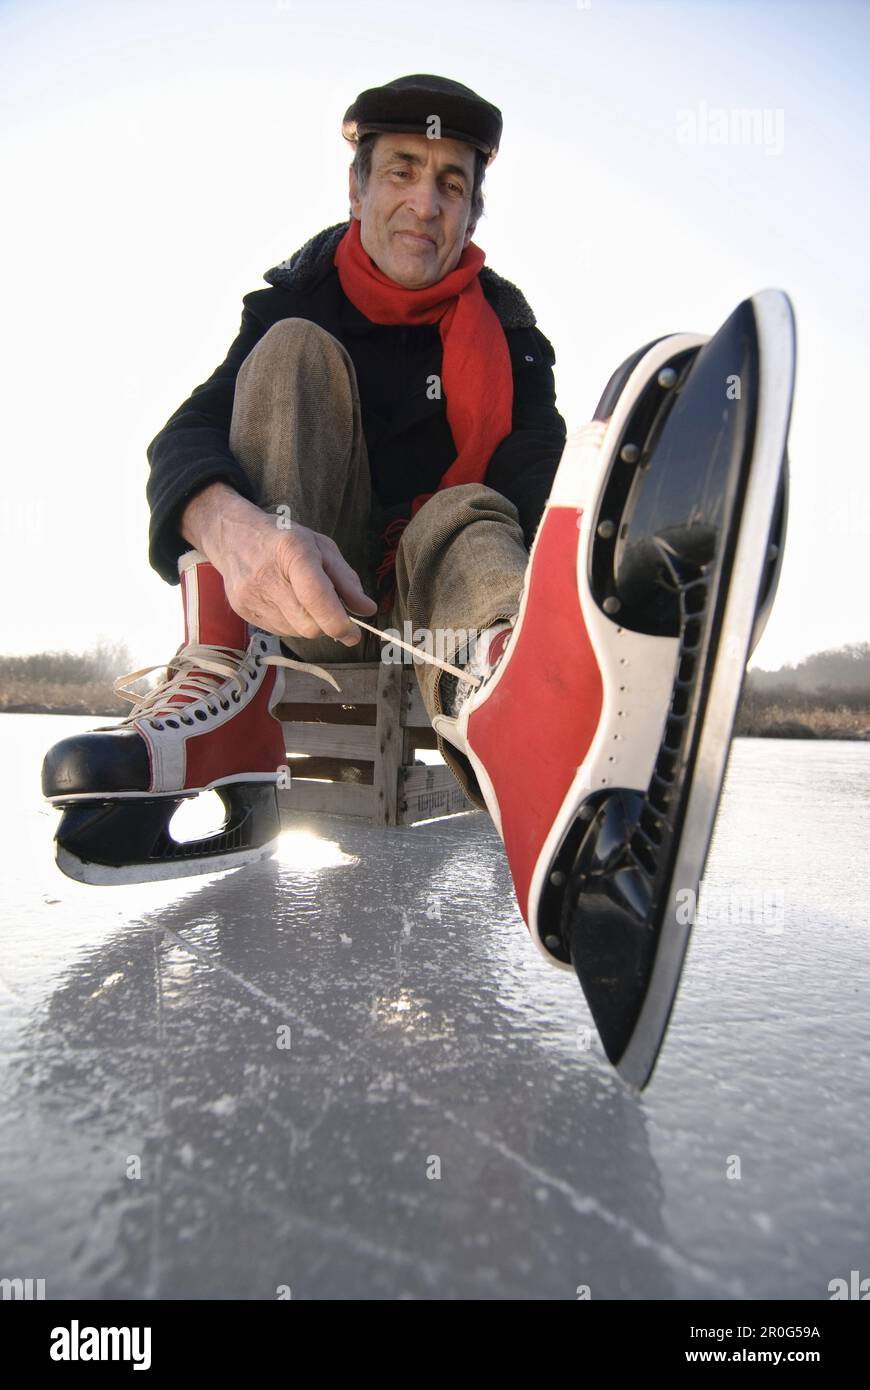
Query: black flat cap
pixel 409 103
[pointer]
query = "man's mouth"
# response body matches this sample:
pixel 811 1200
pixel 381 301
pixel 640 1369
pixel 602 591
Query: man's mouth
pixel 416 236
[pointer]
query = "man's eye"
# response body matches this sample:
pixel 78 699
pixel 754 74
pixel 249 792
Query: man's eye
pixel 406 174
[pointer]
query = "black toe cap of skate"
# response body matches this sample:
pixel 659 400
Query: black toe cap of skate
pixel 97 763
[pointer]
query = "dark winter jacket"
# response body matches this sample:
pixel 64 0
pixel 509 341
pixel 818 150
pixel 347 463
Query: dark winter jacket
pixel 409 442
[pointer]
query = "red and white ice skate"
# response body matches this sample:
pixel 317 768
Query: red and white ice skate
pixel 208 726
pixel 601 737
pixel 566 712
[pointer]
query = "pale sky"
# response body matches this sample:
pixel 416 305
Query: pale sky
pixel 159 155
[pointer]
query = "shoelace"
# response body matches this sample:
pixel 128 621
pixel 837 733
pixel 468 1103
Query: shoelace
pixel 198 672
pixel 417 651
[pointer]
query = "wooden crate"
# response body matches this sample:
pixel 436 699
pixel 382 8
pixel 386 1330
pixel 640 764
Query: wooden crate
pixel 360 744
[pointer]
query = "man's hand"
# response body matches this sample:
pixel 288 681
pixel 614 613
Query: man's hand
pixel 292 582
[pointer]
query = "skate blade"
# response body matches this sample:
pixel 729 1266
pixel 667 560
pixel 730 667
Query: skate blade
pixel 630 854
pixel 106 875
pixel 106 841
pixel 774 321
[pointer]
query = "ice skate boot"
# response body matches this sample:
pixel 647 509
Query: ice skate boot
pixel 208 725
pixel 600 735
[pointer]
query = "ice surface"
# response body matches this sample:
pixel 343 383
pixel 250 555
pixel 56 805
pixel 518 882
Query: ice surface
pixel 348 1072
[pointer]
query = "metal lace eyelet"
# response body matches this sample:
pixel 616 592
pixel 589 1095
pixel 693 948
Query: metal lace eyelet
pixel 172 723
pixel 212 709
pixel 155 725
pixel 235 697
pixel 258 661
pixel 254 675
pixel 200 714
pixel 225 704
pixel 186 719
pixel 264 646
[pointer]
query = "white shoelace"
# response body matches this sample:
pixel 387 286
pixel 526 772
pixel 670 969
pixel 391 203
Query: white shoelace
pixel 418 651
pixel 199 671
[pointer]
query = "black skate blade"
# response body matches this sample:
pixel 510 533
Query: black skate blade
pixel 114 842
pixel 633 860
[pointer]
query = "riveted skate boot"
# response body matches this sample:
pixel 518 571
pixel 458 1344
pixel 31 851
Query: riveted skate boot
pixel 209 725
pixel 600 733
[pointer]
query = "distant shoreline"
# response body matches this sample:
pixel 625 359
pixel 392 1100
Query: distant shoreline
pixel 779 721
pixel 61 709
pixel 826 696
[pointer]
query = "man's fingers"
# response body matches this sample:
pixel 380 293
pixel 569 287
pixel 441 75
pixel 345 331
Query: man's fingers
pixel 346 581
pixel 276 607
pixel 316 592
pixel 302 588
pixel 289 620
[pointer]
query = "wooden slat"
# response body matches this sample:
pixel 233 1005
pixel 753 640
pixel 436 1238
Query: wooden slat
pixel 332 798
pixel 346 799
pixel 413 710
pixel 388 733
pixel 331 740
pixel 358 681
pixel 429 792
pixel 434 777
pixel 333 770
pixel 327 714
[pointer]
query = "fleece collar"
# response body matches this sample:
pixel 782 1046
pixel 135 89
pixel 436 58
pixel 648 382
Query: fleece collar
pixel 313 261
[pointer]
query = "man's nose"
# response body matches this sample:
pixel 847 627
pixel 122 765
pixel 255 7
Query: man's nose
pixel 425 198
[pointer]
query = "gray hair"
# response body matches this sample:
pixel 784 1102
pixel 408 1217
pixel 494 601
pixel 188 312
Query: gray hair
pixel 362 167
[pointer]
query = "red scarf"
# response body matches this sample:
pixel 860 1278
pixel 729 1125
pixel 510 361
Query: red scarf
pixel 476 373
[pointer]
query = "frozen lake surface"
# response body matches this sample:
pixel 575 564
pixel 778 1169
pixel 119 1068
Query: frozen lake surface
pixel 442 1123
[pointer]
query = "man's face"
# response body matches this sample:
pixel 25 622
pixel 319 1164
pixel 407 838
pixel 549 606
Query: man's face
pixel 414 215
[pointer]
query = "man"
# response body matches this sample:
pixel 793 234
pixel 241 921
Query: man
pixel 386 421
pixel 440 387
